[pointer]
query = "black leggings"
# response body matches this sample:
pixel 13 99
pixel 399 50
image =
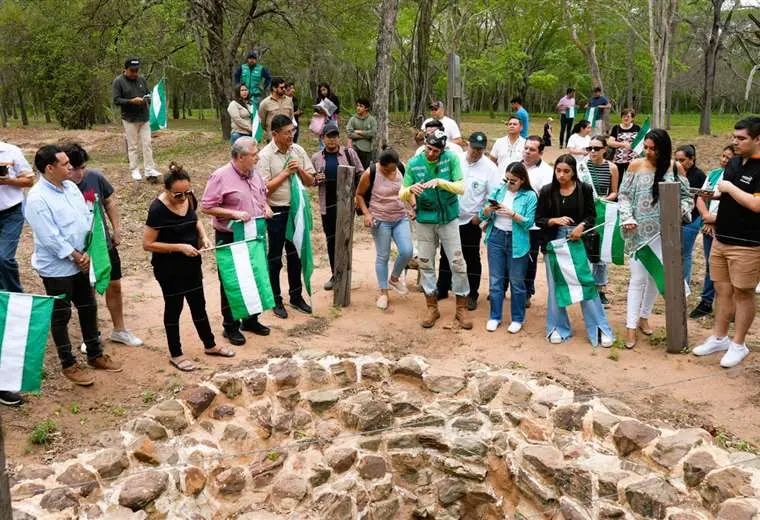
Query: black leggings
pixel 176 288
pixel 566 126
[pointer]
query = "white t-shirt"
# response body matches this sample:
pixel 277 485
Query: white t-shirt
pixel 540 175
pixel 502 222
pixel 506 152
pixel 450 145
pixel 10 195
pixel 578 141
pixel 449 126
pixel 480 180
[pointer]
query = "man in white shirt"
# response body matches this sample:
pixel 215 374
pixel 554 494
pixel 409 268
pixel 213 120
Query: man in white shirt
pixel 508 149
pixel 481 178
pixel 438 113
pixel 540 174
pixel 430 126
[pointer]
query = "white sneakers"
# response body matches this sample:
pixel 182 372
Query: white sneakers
pixel 399 286
pixel 382 302
pixel 607 341
pixel 152 172
pixel 125 337
pixel 555 338
pixel 492 325
pixel 734 353
pixel 514 327
pixel 136 174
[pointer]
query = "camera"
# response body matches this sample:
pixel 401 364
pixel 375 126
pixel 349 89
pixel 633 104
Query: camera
pixel 3 170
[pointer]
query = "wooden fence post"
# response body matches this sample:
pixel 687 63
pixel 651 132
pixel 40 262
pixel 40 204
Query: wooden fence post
pixel 672 259
pixel 454 89
pixel 344 237
pixel 6 512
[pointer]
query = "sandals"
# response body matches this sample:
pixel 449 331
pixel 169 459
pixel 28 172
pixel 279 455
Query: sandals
pixel 219 351
pixel 183 364
pixel 646 332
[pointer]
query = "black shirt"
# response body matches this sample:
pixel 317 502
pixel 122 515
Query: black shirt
pixel 736 225
pixel 173 229
pixel 579 206
pixel 94 183
pixel 696 180
pixel 123 89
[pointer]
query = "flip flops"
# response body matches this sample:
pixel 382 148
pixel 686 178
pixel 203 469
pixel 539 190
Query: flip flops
pixel 219 350
pixel 184 364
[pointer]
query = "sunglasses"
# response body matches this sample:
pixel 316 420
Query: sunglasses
pixel 511 181
pixel 595 148
pixel 179 195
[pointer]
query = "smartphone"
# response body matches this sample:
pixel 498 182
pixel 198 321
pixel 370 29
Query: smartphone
pixel 3 170
pixel 701 192
pixel 494 202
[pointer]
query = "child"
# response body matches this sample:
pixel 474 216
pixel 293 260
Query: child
pixel 548 132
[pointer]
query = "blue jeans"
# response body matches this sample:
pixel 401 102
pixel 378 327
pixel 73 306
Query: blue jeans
pixel 689 233
pixel 11 222
pixel 600 273
pixel 593 311
pixel 234 136
pixel 501 266
pixel 708 289
pixel 383 232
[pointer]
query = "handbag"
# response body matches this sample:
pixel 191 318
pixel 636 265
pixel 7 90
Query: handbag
pixel 317 124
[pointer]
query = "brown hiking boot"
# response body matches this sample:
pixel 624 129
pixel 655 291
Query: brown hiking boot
pixel 432 314
pixel 461 315
pixel 78 375
pixel 105 362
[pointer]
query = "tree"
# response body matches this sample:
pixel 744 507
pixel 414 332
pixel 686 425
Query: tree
pixel 382 82
pixel 581 17
pixel 421 53
pixel 717 32
pixel 662 14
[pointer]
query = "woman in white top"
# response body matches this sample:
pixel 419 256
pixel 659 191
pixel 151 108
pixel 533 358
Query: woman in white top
pixel 578 143
pixel 239 110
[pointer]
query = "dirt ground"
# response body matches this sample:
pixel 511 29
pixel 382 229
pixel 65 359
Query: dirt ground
pixel 679 390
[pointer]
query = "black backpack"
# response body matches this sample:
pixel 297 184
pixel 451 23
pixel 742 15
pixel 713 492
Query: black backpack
pixel 372 173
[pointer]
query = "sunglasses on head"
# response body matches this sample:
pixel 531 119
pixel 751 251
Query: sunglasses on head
pixel 179 195
pixel 594 148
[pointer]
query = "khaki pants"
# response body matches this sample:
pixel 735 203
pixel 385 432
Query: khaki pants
pixel 139 133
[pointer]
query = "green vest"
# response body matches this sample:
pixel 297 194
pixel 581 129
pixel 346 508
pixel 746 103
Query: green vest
pixel 251 78
pixel 434 206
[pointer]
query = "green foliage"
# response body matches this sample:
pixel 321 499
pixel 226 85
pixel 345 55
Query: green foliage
pixel 41 434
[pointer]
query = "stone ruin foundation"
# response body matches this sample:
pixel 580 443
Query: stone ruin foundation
pixel 364 437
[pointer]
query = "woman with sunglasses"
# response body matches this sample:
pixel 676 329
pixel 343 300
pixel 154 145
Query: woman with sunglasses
pixel 565 210
pixel 509 213
pixel 580 139
pixel 640 219
pixel 603 176
pixel 174 235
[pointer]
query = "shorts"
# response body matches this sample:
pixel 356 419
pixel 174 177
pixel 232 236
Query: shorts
pixel 739 265
pixel 113 254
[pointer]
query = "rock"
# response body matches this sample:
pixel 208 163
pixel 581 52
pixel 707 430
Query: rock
pixel 140 490
pixel 455 407
pixel 145 451
pixel 738 509
pixel 572 510
pixel 471 423
pixel 255 382
pixel 617 407
pixel 282 421
pixel 340 459
pixel 334 506
pixel 367 414
pixel 403 441
pixel 450 490
pixel 288 398
pixel 403 406
pixel 519 393
pixel 322 400
pixel 575 482
pixel 171 414
pixel 17 514
pixel 631 435
pixel 301 419
pixel 77 476
pixel 608 482
pixel 696 466
pixel 233 432
pixel 488 387
pixel 371 467
pixel 148 427
pixel 327 430
pixel 193 481
pixel 535 488
pixel 197 398
pixel 344 372
pixel 410 366
pixel 375 371
pixel 34 472
pixel 721 484
pixel 425 420
pixel 443 383
pixel 371 443
pixel 288 491
pixel 603 423
pixel 228 480
pixel 58 500
pixel 27 490
pixel 460 469
pixel 385 509
pixel 229 384
pixel 432 440
pixel 316 373
pixel 551 396
pixel 222 411
pixel 670 449
pixel 110 462
pixel 535 429
pixel 469 448
pixel 319 475
pixel 261 413
pixel 268 462
pixel 285 374
pixel 608 511
pixel 651 497
pixel 570 416
pixel 545 459
pixel 108 439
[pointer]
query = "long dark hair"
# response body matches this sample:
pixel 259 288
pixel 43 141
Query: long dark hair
pixel 319 91
pixel 518 170
pixel 664 148
pixel 580 125
pixel 571 162
pixel 239 98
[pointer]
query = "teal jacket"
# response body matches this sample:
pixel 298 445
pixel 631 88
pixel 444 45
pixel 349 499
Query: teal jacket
pixel 524 205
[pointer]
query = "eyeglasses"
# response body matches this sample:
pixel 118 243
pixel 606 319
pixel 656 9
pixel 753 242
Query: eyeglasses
pixel 595 148
pixel 179 195
pixel 511 181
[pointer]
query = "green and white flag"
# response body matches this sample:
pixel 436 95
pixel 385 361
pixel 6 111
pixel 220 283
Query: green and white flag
pixel 245 277
pixel 256 228
pixel 637 145
pixel 24 326
pixel 650 254
pixel 612 243
pixel 158 119
pixel 593 114
pixel 257 126
pixel 97 248
pixel 299 227
pixel 571 272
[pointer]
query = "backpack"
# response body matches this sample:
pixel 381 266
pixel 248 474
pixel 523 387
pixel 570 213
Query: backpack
pixel 372 173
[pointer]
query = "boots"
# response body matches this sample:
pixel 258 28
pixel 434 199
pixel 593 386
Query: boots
pixel 461 315
pixel 432 314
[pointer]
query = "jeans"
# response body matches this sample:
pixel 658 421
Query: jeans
pixel 11 222
pixel 138 135
pixel 565 129
pixel 536 236
pixel 501 266
pixel 383 232
pixel 689 233
pixel 600 273
pixel 75 289
pixel 176 288
pixel 222 237
pixel 428 238
pixel 593 311
pixel 276 227
pixel 642 292
pixel 708 289
pixel 329 225
pixel 234 136
pixel 469 235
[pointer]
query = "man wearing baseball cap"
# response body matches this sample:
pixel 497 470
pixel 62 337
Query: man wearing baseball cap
pixel 438 112
pixel 481 177
pixel 252 74
pixel 130 91
pixel 431 183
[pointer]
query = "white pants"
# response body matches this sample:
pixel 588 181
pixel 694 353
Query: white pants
pixel 139 134
pixel 642 292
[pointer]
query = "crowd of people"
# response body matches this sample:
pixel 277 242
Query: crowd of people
pixel 442 203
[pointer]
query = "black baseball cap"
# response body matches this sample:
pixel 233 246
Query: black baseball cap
pixel 478 140
pixel 331 128
pixel 252 54
pixel 132 63
pixel 435 105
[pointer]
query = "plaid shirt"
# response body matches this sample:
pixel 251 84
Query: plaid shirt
pixel 346 157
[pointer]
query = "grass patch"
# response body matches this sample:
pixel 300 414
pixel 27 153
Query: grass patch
pixel 74 408
pixel 148 396
pixel 42 433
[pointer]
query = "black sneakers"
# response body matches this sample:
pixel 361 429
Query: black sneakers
pixel 603 299
pixel 11 398
pixel 301 305
pixel 234 336
pixel 280 311
pixel 253 325
pixel 701 310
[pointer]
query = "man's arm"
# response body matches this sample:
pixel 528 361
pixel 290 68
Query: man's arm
pixel 306 171
pixel 24 181
pixel 267 77
pixel 45 229
pixel 751 201
pixel 109 204
pixel 237 75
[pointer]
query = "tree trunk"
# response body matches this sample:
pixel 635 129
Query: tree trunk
pixel 46 110
pixel 596 72
pixel 22 107
pixel 629 73
pixel 421 54
pixel 711 57
pixel 382 80
pixel 661 16
pixel 175 105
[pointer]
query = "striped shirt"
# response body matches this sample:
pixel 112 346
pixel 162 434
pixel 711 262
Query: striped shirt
pixel 600 173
